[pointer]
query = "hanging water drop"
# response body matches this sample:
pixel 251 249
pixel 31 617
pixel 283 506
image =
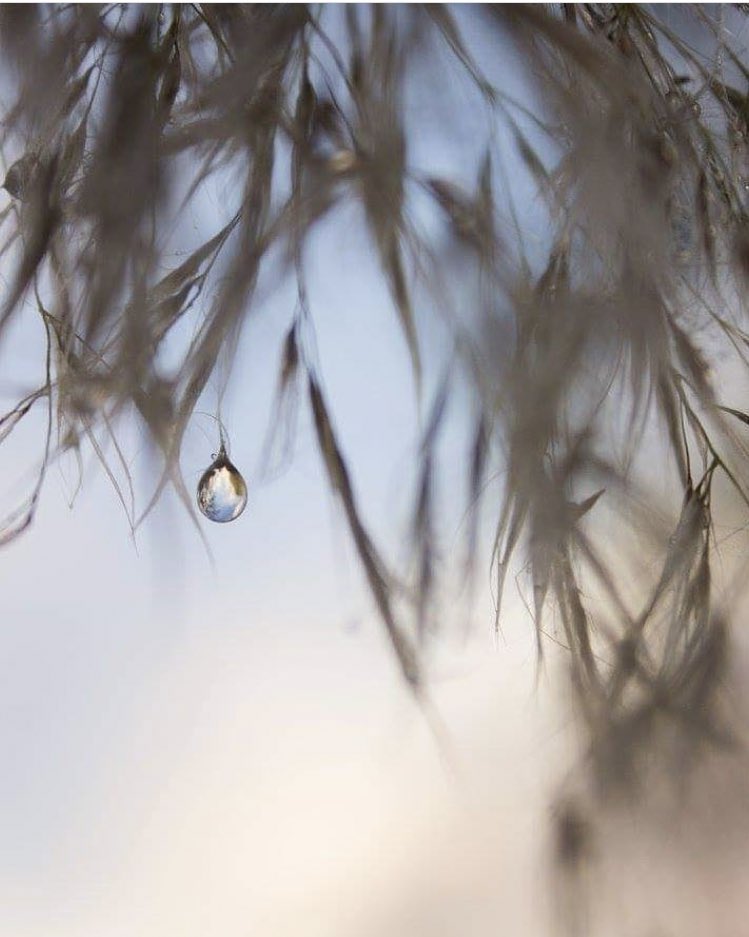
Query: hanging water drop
pixel 222 492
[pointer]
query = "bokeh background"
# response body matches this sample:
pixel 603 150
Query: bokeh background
pixel 213 738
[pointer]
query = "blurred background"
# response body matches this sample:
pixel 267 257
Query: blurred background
pixel 206 732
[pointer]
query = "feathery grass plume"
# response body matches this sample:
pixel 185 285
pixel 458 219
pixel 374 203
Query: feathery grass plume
pixel 595 360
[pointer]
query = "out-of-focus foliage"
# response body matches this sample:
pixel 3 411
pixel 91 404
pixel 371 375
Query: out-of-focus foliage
pixel 585 367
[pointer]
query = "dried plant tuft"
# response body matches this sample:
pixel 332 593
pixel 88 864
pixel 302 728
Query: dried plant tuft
pixel 598 362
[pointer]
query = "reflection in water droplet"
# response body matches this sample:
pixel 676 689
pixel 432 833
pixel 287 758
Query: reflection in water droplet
pixel 222 492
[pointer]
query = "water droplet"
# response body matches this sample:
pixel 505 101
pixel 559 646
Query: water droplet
pixel 222 492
